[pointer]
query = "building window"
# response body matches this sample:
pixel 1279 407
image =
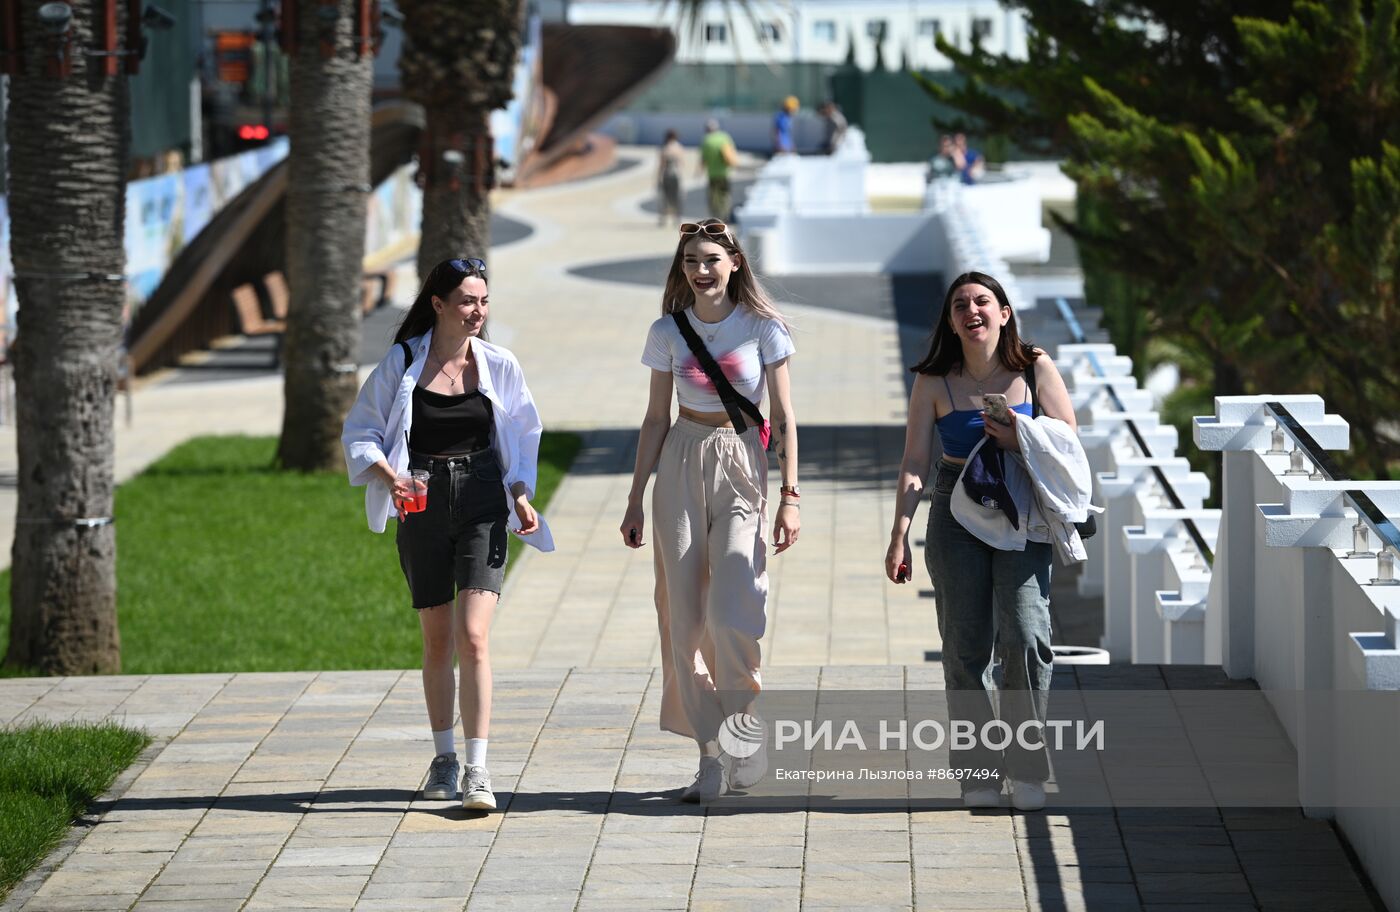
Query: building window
pixel 716 33
pixel 981 28
pixel 876 28
pixel 769 33
pixel 930 28
pixel 824 30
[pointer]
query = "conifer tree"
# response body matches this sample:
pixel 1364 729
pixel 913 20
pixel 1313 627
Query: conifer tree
pixel 1241 159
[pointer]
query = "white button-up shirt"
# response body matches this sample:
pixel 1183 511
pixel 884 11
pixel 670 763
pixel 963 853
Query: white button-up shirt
pixel 381 419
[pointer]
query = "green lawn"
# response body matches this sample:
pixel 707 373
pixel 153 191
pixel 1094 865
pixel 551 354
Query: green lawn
pixel 48 774
pixel 226 564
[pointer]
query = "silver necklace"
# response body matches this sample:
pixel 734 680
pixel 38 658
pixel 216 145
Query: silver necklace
pixel 451 378
pixel 710 334
pixel 990 374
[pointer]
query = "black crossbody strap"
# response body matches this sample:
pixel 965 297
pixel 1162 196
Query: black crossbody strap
pixel 1030 384
pixel 736 405
pixel 407 355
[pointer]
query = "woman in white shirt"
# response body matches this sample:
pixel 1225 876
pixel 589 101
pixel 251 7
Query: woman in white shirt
pixel 710 500
pixel 446 403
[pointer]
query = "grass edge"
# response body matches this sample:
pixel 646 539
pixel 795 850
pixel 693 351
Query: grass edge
pixel 27 886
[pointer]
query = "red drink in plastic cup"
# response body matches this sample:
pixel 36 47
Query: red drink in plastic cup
pixel 419 502
pixel 417 483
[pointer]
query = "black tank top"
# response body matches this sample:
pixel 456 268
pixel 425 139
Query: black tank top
pixel 449 425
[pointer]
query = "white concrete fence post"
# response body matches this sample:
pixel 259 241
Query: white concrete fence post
pixel 1243 432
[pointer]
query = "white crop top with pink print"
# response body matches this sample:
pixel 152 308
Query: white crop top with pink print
pixel 743 343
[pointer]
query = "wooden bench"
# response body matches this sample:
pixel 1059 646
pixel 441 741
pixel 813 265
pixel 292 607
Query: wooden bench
pixel 375 290
pixel 251 322
pixel 278 297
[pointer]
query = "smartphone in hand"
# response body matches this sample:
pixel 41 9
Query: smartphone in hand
pixel 995 406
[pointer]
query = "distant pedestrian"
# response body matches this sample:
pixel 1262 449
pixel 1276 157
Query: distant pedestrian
pixel 451 408
pixel 833 125
pixel 668 177
pixel 970 163
pixel 783 126
pixel 717 156
pixel 945 163
pixel 718 343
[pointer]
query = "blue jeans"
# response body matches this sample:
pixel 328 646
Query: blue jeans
pixel 991 602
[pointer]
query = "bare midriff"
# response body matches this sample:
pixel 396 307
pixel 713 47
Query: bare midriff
pixel 711 419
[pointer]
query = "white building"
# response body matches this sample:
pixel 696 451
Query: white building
pixel 820 31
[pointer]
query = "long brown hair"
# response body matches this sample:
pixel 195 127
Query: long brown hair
pixel 744 287
pixel 945 348
pixel 444 277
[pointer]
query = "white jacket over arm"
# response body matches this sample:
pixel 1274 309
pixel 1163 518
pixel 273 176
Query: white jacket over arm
pixel 1061 481
pixel 1050 483
pixel 381 420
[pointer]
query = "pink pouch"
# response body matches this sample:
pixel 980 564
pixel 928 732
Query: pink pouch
pixel 765 434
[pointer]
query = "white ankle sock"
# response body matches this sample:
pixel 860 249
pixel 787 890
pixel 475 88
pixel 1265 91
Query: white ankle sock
pixel 476 752
pixel 443 742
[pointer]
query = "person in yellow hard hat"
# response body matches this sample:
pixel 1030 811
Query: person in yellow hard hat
pixel 782 126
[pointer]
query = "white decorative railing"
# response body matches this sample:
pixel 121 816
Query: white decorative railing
pixel 1304 601
pixel 1291 582
pixel 811 215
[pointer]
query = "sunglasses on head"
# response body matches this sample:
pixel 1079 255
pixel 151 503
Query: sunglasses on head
pixel 469 266
pixel 716 229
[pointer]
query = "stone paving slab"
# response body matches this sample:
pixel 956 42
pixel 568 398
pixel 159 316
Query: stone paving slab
pixel 192 830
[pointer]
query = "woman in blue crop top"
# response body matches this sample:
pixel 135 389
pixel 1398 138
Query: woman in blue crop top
pixel 989 601
pixel 710 500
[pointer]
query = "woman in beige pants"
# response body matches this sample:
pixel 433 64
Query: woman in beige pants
pixel 710 501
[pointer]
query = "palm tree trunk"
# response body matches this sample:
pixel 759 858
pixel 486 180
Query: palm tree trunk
pixel 68 161
pixel 326 207
pixel 458 62
pixel 456 197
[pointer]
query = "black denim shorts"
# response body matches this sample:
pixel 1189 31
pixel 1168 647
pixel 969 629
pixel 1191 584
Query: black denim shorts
pixel 459 541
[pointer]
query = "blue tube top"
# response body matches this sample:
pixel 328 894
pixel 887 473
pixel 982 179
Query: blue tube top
pixel 960 429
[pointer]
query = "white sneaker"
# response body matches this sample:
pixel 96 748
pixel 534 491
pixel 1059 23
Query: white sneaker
pixel 1027 796
pixel 709 782
pixel 982 796
pixel 747 771
pixel 476 790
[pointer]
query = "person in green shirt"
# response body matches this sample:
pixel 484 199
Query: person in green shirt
pixel 717 156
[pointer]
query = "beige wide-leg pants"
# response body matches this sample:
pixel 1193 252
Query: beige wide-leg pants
pixel 709 510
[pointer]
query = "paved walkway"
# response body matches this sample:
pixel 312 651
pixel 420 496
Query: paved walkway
pixel 296 791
